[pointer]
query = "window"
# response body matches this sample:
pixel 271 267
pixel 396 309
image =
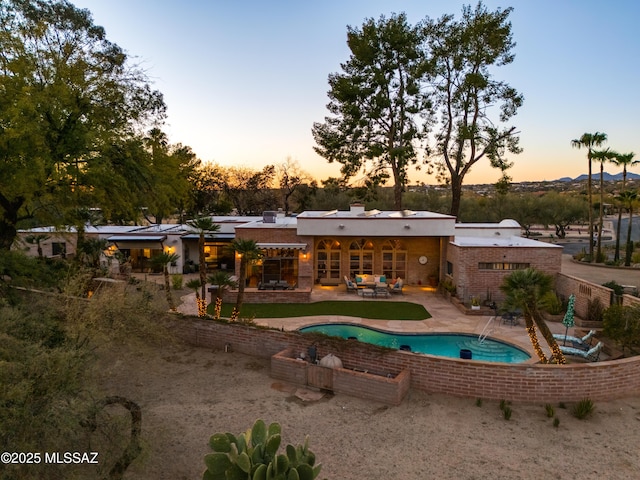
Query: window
pixel 328 260
pixel 502 266
pixel 361 257
pixel 58 249
pixel 394 259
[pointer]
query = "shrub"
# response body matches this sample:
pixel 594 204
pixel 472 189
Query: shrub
pixel 583 409
pixel 549 409
pixel 551 303
pixel 176 281
pixel 506 412
pixel 478 402
pixel 556 422
pixel 595 310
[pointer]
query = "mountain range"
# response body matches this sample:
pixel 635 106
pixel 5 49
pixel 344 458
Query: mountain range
pixel 596 177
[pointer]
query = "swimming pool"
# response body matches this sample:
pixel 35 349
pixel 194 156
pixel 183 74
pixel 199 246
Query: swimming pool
pixel 440 344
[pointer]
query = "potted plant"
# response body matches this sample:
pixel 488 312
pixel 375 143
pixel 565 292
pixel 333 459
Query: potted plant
pixel 475 303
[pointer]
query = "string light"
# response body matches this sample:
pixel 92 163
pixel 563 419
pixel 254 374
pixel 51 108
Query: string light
pixel 202 307
pixel 234 315
pixel 531 331
pixel 218 307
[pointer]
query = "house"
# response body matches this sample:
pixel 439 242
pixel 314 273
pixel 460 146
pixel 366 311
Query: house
pixel 323 247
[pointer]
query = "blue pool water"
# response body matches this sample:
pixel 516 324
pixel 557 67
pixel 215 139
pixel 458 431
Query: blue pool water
pixel 440 344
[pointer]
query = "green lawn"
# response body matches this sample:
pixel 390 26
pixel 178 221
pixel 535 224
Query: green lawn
pixel 376 310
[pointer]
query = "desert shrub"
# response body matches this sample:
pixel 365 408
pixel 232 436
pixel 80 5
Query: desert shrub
pixel 506 413
pixel 176 281
pixel 478 402
pixel 583 408
pixel 622 325
pixel 595 310
pixel 551 303
pixel 549 409
pixel 556 422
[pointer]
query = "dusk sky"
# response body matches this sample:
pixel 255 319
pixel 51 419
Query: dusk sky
pixel 245 80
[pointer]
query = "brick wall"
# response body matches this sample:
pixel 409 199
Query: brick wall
pixel 584 291
pixel 518 382
pixel 473 282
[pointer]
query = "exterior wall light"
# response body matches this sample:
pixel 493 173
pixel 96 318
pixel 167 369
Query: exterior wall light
pixel 407 226
pixel 341 226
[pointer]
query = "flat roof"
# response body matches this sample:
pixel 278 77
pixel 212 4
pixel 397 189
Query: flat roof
pixel 500 241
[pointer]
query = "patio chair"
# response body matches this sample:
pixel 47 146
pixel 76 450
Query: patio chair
pixel 579 342
pixel 592 354
pixel 397 287
pixel 351 287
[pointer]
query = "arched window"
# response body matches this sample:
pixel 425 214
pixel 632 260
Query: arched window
pixel 328 261
pixel 361 257
pixel 394 259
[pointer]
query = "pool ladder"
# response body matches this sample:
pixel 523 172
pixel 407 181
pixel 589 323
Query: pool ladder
pixel 488 328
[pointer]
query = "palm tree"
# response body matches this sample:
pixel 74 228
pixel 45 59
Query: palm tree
pixel 525 290
pixel 602 156
pixel 163 260
pixel 588 141
pixel 626 160
pixel 248 251
pixel 201 305
pixel 222 280
pixel 203 225
pixel 628 198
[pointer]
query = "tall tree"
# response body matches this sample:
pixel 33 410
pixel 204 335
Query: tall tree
pixel 628 198
pixel 524 289
pixel 625 160
pixel 221 280
pixel 375 103
pixel 248 251
pixel 68 96
pixel 589 141
pixel 602 156
pixel 464 54
pixel 203 225
pixel 292 179
pixel 172 169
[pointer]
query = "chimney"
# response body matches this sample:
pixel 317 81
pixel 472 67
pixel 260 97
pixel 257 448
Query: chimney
pixel 357 208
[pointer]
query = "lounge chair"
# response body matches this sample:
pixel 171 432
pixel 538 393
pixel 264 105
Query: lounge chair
pixel 351 287
pixel 580 342
pixel 592 354
pixel 397 287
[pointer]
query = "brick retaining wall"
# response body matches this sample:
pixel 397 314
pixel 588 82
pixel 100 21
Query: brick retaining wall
pixel 518 382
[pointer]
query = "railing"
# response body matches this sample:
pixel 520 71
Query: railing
pixel 488 328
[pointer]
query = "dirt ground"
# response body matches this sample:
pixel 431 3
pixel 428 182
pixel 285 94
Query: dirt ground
pixel 187 394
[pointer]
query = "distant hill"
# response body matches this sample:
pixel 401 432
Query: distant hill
pixel 596 177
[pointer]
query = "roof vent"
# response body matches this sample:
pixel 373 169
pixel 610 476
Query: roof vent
pixel 269 217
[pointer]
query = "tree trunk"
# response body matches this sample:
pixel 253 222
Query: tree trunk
pixel 590 195
pixel 167 289
pixel 241 284
pixel 133 448
pixel 397 196
pixel 202 268
pixel 548 336
pixel 531 331
pixel 456 195
pixel 8 221
pixel 616 256
pixel 600 222
pixel 629 249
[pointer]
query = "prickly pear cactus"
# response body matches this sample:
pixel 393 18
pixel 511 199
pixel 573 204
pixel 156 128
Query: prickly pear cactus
pixel 253 455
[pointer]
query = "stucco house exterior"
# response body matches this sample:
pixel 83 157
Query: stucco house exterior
pixel 323 248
